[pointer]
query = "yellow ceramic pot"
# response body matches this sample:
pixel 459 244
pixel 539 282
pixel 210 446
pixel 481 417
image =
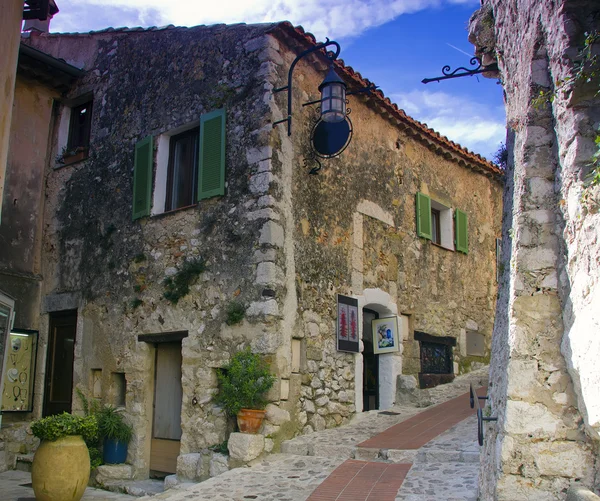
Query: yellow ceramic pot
pixel 61 469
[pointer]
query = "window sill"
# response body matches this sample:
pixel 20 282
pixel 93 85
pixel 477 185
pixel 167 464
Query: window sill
pixel 173 211
pixel 72 159
pixel 441 246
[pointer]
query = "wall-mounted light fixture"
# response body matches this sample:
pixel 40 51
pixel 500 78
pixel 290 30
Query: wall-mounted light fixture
pixel 333 131
pixel 325 87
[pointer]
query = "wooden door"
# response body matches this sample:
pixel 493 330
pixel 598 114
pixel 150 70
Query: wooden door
pixel 370 364
pixel 166 428
pixel 59 365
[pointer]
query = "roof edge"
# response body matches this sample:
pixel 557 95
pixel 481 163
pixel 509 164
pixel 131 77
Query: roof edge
pixel 432 139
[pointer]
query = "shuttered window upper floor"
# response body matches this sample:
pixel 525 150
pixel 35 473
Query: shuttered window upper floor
pixel 190 166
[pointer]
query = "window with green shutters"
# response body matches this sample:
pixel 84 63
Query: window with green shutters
pixel 440 224
pixel 462 238
pixel 424 223
pixel 211 181
pixel 142 177
pixel 191 167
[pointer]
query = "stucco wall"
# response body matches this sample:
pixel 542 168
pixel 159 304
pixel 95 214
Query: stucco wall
pixel 10 29
pixel 21 233
pixel 544 377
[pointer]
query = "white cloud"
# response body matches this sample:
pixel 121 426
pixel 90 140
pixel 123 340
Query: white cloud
pixel 475 125
pixel 332 18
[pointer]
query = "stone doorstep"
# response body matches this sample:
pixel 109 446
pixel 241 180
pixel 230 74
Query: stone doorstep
pixel 24 462
pixel 137 488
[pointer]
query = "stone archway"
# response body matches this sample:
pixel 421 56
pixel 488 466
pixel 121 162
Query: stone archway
pixel 390 364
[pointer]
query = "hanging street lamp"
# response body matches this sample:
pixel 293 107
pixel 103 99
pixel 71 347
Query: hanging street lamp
pixel 333 97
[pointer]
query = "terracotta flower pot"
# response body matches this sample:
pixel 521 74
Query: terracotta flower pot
pixel 249 420
pixel 61 469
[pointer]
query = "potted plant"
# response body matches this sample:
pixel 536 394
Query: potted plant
pixel 116 433
pixel 71 156
pixel 243 383
pixel 61 465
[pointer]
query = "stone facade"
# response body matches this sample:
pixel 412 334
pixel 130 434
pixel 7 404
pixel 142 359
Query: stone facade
pixel 279 242
pixel 544 376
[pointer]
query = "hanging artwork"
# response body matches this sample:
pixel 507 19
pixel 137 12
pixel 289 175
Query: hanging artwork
pixel 347 324
pixel 385 335
pixel 19 371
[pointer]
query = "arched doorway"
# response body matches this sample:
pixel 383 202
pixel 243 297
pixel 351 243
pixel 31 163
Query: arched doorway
pixel 375 375
pixel 370 363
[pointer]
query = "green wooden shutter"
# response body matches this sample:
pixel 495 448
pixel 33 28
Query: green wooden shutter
pixel 424 226
pixel 211 168
pixel 142 177
pixel 462 238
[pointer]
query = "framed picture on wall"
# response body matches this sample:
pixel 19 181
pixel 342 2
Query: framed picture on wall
pixel 385 335
pixel 19 371
pixel 347 324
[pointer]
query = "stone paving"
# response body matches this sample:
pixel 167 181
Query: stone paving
pixel 15 486
pixel 449 464
pixel 280 477
pixel 445 468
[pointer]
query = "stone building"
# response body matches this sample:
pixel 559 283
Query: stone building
pixel 173 205
pixel 544 373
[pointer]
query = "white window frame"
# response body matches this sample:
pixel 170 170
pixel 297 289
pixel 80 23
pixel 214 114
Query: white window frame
pixel 159 197
pixel 446 224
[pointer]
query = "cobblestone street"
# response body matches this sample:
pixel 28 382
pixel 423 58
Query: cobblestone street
pixel 350 463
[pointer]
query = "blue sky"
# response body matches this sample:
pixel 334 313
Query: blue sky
pixel 393 43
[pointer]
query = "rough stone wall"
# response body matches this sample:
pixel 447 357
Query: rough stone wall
pixel 354 231
pixel 113 269
pixel 544 377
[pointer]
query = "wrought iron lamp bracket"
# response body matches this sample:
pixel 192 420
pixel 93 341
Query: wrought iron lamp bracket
pixel 447 74
pixel 332 56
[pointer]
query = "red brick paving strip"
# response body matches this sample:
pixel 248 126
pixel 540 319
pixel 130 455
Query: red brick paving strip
pixel 362 481
pixel 425 426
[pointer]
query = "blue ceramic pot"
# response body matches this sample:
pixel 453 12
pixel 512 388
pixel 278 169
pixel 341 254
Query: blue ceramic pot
pixel 114 451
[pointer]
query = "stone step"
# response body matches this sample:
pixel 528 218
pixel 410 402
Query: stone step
pixel 388 455
pixel 137 488
pixel 23 462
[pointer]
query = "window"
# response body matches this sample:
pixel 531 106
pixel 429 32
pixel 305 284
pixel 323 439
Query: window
pixel 436 237
pixel 182 169
pixel 79 127
pixel 440 224
pixel 190 166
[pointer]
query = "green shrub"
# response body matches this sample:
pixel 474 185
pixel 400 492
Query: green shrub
pixel 220 448
pixel 243 383
pixel 178 285
pixel 62 425
pixel 91 408
pixel 235 313
pixel 112 425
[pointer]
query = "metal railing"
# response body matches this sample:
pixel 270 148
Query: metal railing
pixel 473 397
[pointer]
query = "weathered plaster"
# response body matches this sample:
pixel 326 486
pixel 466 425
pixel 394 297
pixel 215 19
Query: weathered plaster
pixel 10 29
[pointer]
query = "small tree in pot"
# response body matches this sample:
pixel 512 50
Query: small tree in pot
pixel 61 465
pixel 243 383
pixel 116 433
